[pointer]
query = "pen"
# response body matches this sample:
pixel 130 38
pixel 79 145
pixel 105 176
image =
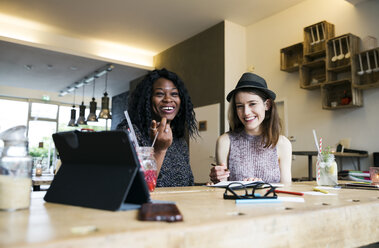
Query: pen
pixel 289 192
pixel 320 190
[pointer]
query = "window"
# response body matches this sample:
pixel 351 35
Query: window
pixel 42 120
pixel 43 110
pixel 42 125
pixel 13 113
pixel 41 145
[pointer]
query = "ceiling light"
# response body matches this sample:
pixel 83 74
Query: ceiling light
pixel 92 106
pixel 63 93
pixel 82 109
pixel 72 123
pixel 79 84
pixel 105 112
pixel 70 89
pixel 89 80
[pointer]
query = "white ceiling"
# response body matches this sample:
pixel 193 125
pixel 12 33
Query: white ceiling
pixel 152 25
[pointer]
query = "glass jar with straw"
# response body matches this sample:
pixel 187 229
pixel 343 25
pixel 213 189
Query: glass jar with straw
pixel 326 168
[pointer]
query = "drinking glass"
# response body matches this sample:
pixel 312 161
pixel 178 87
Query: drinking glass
pixel 326 170
pixel 149 165
pixel 374 175
pixel 15 170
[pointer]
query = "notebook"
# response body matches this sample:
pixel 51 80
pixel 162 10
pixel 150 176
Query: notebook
pixel 99 170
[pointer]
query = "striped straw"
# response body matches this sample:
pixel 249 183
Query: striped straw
pixel 320 145
pixel 318 160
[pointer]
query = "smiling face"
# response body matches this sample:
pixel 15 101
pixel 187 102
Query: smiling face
pixel 165 99
pixel 251 110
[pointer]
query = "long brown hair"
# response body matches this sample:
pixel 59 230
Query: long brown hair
pixel 271 124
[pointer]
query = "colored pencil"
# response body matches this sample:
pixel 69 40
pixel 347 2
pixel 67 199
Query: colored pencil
pixel 289 192
pixel 320 190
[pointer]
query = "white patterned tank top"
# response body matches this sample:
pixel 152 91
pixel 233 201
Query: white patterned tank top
pixel 248 158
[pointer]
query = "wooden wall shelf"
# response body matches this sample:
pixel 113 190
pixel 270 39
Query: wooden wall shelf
pixel 341 81
pixel 333 64
pixel 366 72
pixel 312 75
pixel 341 94
pixel 315 63
pixel 315 37
pixel 340 68
pixel 291 57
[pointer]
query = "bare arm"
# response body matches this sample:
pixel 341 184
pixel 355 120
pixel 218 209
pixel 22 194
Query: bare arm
pixel 284 149
pixel 163 141
pixel 222 149
pixel 220 172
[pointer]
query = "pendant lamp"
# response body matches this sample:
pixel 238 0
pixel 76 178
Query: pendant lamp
pixel 72 123
pixel 82 109
pixel 105 113
pixel 92 105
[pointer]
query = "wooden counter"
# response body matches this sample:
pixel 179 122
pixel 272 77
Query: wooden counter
pixel 348 219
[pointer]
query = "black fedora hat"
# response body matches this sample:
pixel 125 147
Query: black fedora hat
pixel 251 80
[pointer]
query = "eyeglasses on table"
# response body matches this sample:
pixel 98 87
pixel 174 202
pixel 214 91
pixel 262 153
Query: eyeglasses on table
pixel 231 193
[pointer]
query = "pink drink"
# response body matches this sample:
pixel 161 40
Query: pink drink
pixel 151 179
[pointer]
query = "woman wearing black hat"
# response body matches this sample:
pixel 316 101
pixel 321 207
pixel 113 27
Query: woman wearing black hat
pixel 254 148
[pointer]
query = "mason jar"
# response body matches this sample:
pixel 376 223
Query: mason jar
pixel 15 176
pixel 326 170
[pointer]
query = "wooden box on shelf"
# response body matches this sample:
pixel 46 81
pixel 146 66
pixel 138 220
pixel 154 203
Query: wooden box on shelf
pixel 339 53
pixel 365 67
pixel 312 74
pixel 291 57
pixel 340 94
pixel 315 37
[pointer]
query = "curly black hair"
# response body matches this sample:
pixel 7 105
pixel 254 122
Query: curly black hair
pixel 140 109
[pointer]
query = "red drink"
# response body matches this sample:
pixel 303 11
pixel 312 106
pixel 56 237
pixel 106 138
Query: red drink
pixel 151 179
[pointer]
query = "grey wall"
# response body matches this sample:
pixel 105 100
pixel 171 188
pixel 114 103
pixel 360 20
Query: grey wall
pixel 119 105
pixel 199 62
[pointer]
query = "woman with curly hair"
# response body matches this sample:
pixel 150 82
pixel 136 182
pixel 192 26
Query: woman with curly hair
pixel 160 103
pixel 253 150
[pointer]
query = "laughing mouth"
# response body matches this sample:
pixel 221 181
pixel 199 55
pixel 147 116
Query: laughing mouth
pixel 167 109
pixel 250 119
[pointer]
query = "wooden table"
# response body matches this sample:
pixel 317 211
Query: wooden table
pixel 338 155
pixel 347 219
pixel 37 181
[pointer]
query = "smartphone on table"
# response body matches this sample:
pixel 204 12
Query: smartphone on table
pixel 168 212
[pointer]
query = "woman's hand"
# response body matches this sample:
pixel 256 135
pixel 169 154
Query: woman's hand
pixel 219 173
pixel 164 138
pixel 253 179
pixel 163 141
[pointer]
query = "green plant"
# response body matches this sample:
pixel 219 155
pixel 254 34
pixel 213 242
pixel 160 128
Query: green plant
pixel 325 154
pixel 41 153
